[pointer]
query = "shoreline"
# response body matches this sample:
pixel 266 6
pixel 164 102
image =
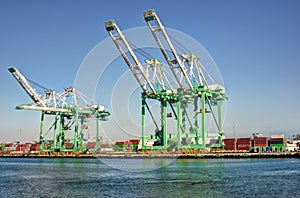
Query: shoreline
pixel 149 155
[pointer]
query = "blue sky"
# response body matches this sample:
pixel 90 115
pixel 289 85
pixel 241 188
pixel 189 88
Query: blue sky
pixel 255 44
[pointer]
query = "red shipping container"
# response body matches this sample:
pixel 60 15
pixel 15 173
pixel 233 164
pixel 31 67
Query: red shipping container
pixel 91 145
pixel 243 139
pixel 103 144
pixel 260 141
pixel 119 143
pixel 244 148
pixel 68 143
pixel 230 139
pixel 276 139
pixel 20 148
pixel 134 141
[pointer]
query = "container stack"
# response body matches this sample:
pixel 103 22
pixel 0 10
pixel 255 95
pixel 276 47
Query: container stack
pixel 34 148
pixel 134 144
pixel 260 144
pixel 260 141
pixel 119 146
pixel 20 148
pixel 9 147
pixel 277 144
pixel 230 144
pixel 244 144
pixel 68 145
pixel 213 141
pixel 91 145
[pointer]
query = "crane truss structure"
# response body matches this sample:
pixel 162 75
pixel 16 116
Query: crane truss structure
pixel 72 112
pixel 191 88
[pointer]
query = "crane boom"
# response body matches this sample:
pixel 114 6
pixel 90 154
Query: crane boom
pixel 26 86
pixel 175 62
pixel 44 109
pixel 136 67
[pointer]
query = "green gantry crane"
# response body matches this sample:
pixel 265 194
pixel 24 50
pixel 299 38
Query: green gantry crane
pixel 191 89
pixel 72 112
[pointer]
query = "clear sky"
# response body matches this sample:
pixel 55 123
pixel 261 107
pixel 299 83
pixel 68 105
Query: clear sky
pixel 255 44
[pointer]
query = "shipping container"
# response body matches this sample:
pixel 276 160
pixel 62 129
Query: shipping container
pixel 260 141
pixel 119 143
pixel 277 136
pixel 134 141
pixel 230 143
pixel 91 145
pixel 243 147
pixel 103 145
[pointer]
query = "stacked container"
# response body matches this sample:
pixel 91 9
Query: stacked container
pixel 230 144
pixel 68 145
pixel 244 144
pixel 34 148
pixel 9 147
pixel 277 144
pixel 20 148
pixel 91 145
pixel 213 141
pixel 260 141
pixel 134 144
pixel 119 146
pixel 260 144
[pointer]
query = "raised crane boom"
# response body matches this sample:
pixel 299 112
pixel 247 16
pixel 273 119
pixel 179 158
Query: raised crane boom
pixel 27 87
pixel 174 62
pixel 135 66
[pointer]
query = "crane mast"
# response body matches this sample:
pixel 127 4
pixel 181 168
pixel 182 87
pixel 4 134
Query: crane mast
pixel 150 17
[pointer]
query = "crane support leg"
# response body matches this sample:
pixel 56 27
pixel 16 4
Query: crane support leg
pixel 219 103
pixel 143 120
pixel 55 131
pixel 61 132
pixel 164 122
pixel 41 132
pixel 196 120
pixel 204 134
pixel 178 126
pixel 97 134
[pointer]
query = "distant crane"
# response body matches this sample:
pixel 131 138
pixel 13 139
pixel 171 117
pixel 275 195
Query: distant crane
pixel 71 110
pixel 190 86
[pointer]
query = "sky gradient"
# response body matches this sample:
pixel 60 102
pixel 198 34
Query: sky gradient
pixel 255 44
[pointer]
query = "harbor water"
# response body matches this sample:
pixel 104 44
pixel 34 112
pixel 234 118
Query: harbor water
pixel 59 177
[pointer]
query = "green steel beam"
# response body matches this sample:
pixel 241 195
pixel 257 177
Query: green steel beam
pixel 61 132
pixel 164 123
pixel 55 131
pixel 151 115
pixel 76 135
pixel 204 134
pixel 97 133
pixel 143 120
pixel 196 128
pixel 178 125
pixel 41 132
